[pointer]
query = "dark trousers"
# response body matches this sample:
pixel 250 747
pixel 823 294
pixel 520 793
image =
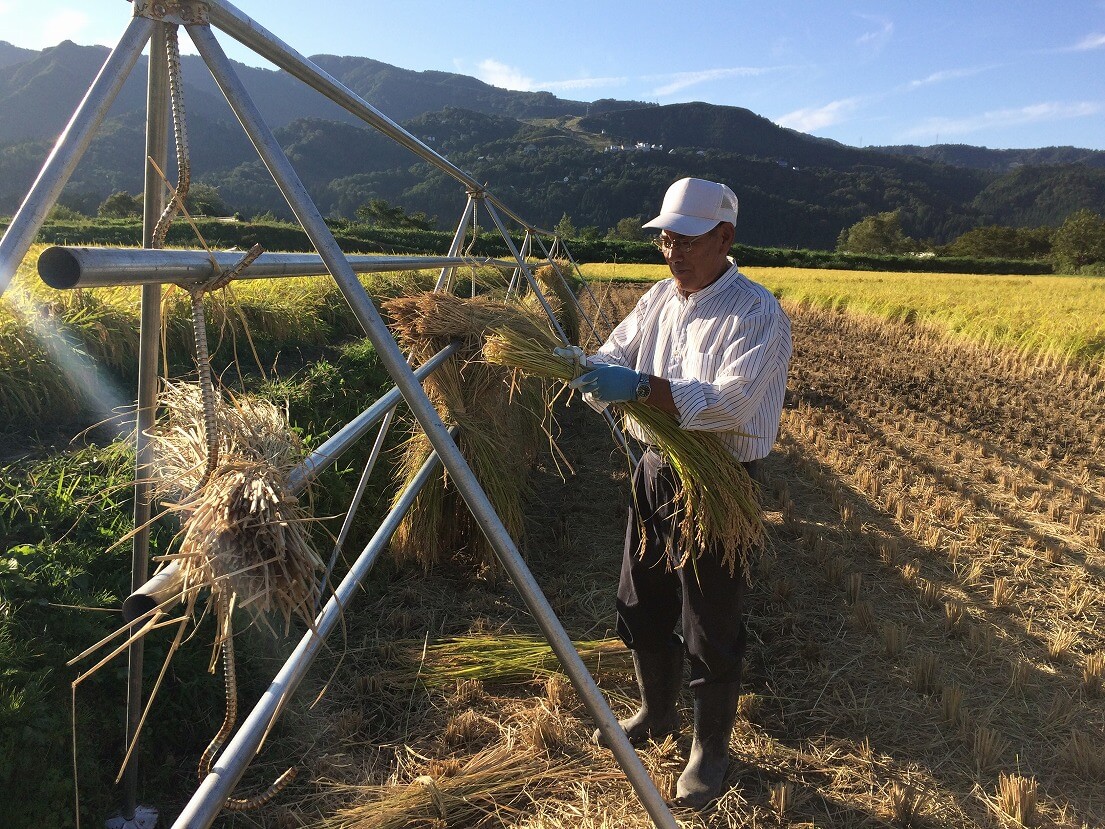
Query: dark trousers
pixel 653 593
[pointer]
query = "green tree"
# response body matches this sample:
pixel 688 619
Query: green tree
pixel 629 229
pixel 120 205
pixel 379 213
pixel 204 200
pixel 564 228
pixel 1080 241
pixel 62 213
pixel 878 234
pixel 999 242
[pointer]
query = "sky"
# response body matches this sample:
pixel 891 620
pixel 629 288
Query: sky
pixel 1009 74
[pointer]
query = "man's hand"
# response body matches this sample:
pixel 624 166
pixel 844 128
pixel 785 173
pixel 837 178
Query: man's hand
pixel 610 384
pixel 574 355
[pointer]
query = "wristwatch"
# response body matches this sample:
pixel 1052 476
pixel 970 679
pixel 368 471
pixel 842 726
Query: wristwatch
pixel 643 388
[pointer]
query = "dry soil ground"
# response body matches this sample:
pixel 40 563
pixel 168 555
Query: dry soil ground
pixel 924 621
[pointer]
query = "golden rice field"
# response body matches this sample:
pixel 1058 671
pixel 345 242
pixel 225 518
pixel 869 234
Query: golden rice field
pixel 1057 316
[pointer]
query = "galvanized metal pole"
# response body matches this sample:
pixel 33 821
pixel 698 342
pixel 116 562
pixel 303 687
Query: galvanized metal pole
pixel 526 272
pixel 157 144
pixel 209 798
pixel 340 442
pixel 445 278
pixel 515 277
pixel 90 267
pixel 568 288
pixel 222 780
pixel 70 146
pixel 594 299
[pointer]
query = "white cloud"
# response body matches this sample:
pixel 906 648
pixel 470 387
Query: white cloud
pixel 815 118
pixel 679 81
pixel 1094 41
pixel 582 83
pixel 877 38
pixel 1005 118
pixel 499 74
pixel 65 24
pixel 945 75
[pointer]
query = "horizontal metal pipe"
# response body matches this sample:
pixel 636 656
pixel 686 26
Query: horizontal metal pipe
pixel 250 33
pixel 161 587
pixel 85 267
pixel 349 434
pixel 206 803
pixel 70 146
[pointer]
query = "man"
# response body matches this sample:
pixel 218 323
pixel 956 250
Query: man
pixel 711 348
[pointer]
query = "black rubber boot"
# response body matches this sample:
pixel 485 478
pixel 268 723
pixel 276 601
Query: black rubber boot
pixel 715 709
pixel 659 676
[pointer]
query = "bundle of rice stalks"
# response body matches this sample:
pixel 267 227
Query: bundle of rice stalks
pixel 500 422
pixel 242 533
pixel 565 306
pixel 503 659
pixel 479 792
pixel 717 497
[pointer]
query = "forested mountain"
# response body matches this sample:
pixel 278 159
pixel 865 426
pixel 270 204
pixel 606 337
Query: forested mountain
pixel 598 162
pixel 10 54
pixel 983 158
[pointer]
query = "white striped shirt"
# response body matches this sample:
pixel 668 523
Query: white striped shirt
pixel 724 349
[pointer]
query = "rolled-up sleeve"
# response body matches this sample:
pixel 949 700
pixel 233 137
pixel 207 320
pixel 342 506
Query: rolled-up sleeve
pixel 754 360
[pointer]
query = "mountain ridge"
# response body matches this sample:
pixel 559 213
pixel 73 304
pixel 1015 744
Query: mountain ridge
pixel 597 161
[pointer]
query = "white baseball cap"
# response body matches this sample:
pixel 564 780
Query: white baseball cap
pixel 693 206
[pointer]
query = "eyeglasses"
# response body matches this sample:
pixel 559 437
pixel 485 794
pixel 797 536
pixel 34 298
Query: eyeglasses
pixel 666 246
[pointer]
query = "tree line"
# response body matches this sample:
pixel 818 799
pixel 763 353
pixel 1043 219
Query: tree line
pixel 1076 246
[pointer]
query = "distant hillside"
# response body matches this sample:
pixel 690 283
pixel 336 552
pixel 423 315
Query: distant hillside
pixel 10 54
pixel 40 90
pixel 545 156
pixel 983 158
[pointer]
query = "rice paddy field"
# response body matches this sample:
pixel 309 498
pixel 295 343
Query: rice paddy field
pixel 926 641
pixel 1057 316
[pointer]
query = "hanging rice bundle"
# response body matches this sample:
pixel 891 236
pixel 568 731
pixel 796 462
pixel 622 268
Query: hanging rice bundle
pixel 561 298
pixel 717 497
pixel 500 422
pixel 242 533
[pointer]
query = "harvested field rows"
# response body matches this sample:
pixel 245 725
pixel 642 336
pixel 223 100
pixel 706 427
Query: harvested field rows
pixel 926 647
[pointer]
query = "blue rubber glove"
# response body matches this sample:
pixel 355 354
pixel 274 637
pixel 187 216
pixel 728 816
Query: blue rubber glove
pixel 610 384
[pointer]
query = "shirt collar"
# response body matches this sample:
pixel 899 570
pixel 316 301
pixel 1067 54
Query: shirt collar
pixel 719 285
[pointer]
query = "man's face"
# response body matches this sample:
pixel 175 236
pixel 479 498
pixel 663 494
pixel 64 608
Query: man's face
pixel 695 261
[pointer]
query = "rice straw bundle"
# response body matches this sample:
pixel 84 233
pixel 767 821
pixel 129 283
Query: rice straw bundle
pixel 500 422
pixel 502 658
pixel 716 496
pixel 243 534
pixel 477 793
pixel 561 299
